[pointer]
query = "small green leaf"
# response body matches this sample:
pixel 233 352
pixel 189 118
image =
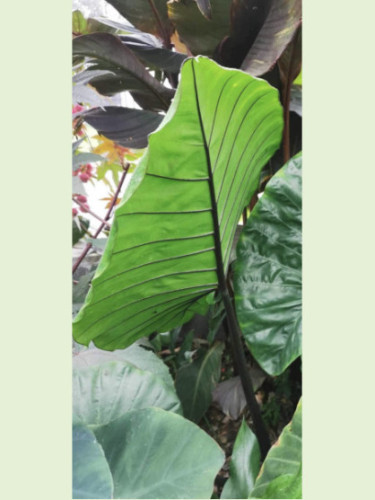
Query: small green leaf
pixel 196 381
pixel 244 465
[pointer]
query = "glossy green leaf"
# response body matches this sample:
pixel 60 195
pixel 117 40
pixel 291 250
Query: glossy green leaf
pixel 128 127
pixel 91 475
pixel 281 472
pixel 182 206
pixel 156 454
pixel 244 465
pixel 199 34
pixel 146 15
pixel 278 29
pixel 196 381
pixel 124 70
pixel 106 390
pixel 268 274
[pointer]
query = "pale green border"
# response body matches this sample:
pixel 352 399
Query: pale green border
pixel 338 250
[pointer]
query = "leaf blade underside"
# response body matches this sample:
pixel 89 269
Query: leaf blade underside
pixel 161 261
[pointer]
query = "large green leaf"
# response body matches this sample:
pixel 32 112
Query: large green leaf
pixel 281 472
pixel 124 70
pixel 282 21
pixel 91 475
pixel 196 381
pixel 244 465
pixel 146 15
pixel 199 34
pixel 128 127
pixel 156 454
pixel 104 392
pixel 142 358
pixel 268 274
pixel 175 226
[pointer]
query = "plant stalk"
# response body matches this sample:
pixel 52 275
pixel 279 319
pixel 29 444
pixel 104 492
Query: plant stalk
pixel 106 218
pixel 240 361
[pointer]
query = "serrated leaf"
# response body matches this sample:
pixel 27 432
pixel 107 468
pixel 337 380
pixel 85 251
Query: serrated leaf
pixel 196 381
pixel 182 206
pixel 268 274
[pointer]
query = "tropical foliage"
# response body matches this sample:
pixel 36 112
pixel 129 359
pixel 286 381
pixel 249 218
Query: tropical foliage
pixel 187 271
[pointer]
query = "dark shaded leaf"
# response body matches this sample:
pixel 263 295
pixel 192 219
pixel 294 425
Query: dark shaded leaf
pixel 229 394
pixel 199 34
pixel 157 454
pixel 281 473
pixel 205 7
pixel 290 63
pixel 244 465
pixel 91 475
pixel 282 21
pixel 196 381
pixel 247 19
pixel 146 15
pixel 160 264
pixel 152 54
pixel 124 70
pixel 82 26
pixel 128 127
pixel 296 99
pixel 268 274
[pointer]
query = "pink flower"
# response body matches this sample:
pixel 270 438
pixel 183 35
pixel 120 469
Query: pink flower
pixel 74 212
pixel 77 108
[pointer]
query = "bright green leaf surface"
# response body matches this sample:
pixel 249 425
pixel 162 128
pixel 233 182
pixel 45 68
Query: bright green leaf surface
pixel 91 475
pixel 268 274
pixel 281 472
pixel 106 391
pixel 196 381
pixel 156 454
pixel 202 165
pixel 244 465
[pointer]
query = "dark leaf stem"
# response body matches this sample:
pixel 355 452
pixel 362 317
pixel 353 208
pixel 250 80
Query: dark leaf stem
pixel 106 218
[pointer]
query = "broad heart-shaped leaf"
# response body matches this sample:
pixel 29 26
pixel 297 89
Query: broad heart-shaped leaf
pixel 156 454
pixel 104 392
pixel 283 19
pixel 177 220
pixel 91 475
pixel 281 473
pixel 268 274
pixel 135 354
pixel 244 465
pixel 128 127
pixel 146 15
pixel 199 34
pixel 196 381
pixel 124 70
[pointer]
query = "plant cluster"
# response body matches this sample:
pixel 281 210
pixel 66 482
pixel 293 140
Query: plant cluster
pixel 191 292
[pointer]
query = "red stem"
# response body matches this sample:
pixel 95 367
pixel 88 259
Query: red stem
pixel 106 218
